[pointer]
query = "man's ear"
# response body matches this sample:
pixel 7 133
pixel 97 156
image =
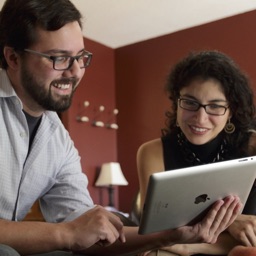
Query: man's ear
pixel 11 57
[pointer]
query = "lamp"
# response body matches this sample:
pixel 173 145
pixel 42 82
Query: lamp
pixel 111 175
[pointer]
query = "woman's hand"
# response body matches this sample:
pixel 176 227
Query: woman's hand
pixel 186 239
pixel 218 219
pixel 244 230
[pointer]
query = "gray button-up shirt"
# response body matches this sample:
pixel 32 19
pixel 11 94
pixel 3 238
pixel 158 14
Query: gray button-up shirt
pixel 51 171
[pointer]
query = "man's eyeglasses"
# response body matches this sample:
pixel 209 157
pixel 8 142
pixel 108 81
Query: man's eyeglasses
pixel 211 109
pixel 65 62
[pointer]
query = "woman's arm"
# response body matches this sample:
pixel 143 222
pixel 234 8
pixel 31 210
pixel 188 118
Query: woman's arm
pixel 150 160
pixel 222 247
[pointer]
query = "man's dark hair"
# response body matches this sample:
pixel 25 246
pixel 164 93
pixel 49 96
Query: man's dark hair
pixel 19 20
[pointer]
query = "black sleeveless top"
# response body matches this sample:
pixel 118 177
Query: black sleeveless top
pixel 174 158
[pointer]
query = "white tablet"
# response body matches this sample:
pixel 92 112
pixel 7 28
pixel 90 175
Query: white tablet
pixel 182 197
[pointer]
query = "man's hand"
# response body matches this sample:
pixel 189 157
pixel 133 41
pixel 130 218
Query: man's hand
pixel 97 226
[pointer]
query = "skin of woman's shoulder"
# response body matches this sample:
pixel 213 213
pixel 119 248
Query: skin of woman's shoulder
pixel 149 160
pixel 150 155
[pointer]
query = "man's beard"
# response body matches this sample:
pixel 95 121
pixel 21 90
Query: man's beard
pixel 44 97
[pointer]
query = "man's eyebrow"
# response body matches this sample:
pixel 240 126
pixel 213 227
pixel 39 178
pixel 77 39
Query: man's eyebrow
pixel 63 52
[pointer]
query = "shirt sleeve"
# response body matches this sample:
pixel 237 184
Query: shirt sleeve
pixel 69 196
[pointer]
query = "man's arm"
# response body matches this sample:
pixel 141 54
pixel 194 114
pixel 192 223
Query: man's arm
pixel 105 231
pixel 96 225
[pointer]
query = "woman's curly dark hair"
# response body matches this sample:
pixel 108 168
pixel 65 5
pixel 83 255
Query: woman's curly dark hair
pixel 235 84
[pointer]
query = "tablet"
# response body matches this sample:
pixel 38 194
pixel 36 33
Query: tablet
pixel 183 196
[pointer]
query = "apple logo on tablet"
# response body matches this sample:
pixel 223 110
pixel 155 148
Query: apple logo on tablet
pixel 201 199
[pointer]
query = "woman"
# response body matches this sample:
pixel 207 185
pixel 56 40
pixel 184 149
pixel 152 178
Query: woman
pixel 212 119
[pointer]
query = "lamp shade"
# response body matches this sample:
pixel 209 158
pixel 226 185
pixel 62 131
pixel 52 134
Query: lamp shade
pixel 111 174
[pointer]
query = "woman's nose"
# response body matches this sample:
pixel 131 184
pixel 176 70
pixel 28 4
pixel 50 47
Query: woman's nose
pixel 201 114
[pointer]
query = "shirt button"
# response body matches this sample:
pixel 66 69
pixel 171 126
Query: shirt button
pixel 22 134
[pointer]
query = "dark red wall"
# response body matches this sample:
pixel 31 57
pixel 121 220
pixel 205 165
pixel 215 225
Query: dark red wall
pixel 131 78
pixel 96 145
pixel 141 70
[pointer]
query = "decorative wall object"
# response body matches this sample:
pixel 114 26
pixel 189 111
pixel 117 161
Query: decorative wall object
pixel 81 117
pixel 98 115
pixel 111 122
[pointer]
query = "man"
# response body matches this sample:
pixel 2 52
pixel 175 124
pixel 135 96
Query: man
pixel 43 59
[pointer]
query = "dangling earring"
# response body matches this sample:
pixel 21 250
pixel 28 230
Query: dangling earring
pixel 229 127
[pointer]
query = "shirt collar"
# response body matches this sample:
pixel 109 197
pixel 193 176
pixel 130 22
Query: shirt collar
pixel 6 89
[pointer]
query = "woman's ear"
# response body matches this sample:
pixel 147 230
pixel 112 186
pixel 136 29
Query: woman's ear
pixel 11 57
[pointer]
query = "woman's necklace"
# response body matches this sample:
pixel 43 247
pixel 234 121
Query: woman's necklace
pixel 193 159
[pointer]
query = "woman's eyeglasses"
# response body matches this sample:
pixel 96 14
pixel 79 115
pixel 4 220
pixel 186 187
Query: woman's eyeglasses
pixel 211 109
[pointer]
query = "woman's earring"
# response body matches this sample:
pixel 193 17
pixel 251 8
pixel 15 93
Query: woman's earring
pixel 229 127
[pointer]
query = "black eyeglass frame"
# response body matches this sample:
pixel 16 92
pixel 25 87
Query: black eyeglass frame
pixel 71 58
pixel 199 105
